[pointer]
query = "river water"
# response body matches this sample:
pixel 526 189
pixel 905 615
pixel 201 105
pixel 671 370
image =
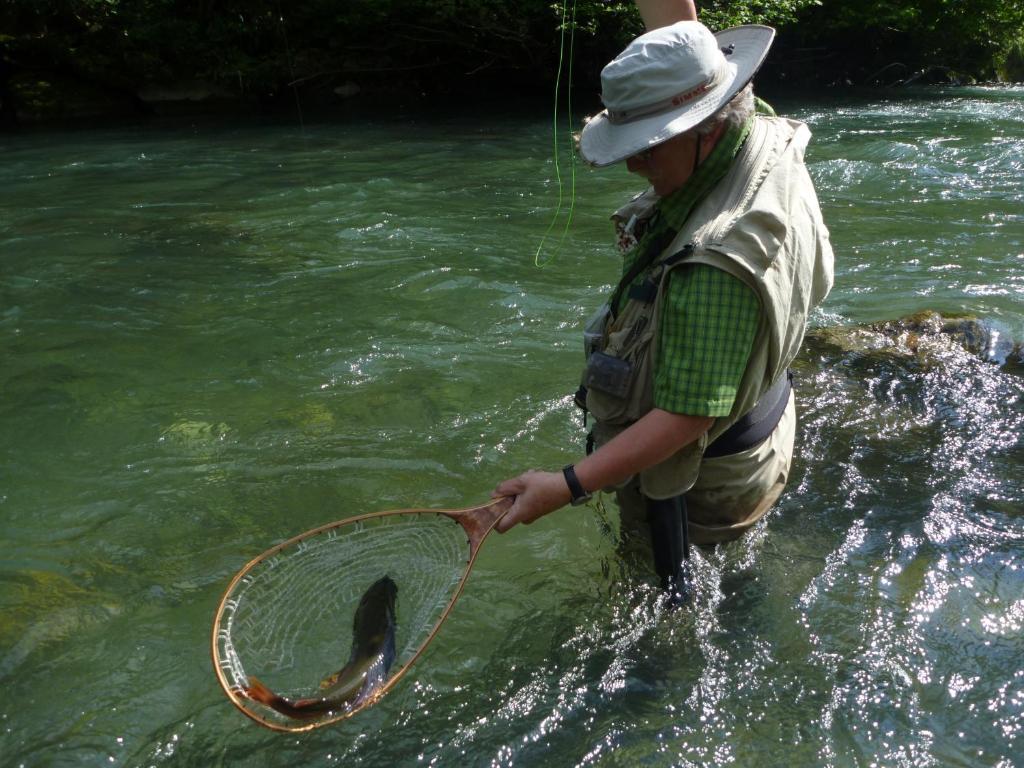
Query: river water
pixel 215 337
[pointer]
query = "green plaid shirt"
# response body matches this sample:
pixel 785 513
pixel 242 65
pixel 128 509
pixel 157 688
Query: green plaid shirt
pixel 708 322
pixel 708 318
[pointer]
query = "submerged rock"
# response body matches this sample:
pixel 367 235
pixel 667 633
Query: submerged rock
pixel 923 336
pixel 195 435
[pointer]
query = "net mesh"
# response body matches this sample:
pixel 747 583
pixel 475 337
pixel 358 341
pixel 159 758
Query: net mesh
pixel 288 620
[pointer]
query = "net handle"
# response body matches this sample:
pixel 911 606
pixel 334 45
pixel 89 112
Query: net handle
pixel 479 521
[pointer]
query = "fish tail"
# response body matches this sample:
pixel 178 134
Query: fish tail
pixel 257 691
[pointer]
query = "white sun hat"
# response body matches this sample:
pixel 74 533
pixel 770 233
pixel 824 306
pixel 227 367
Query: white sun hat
pixel 668 81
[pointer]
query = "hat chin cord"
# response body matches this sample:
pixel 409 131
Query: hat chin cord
pixel 696 156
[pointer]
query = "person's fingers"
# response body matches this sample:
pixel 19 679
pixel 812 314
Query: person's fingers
pixel 513 486
pixel 508 520
pixel 527 489
pixel 506 488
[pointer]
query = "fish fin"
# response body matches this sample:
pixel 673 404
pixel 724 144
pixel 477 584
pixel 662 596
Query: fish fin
pixel 330 680
pixel 257 691
pixel 377 672
pixel 376 676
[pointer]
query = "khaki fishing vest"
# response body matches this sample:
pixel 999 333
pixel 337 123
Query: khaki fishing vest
pixel 761 224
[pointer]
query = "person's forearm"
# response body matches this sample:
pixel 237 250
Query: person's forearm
pixel 649 441
pixel 662 13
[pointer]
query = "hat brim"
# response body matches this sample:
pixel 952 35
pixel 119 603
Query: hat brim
pixel 604 143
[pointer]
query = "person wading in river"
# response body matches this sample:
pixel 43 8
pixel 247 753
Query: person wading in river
pixel 724 258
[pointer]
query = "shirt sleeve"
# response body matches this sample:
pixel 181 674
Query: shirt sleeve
pixel 708 323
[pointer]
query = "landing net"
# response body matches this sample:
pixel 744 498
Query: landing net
pixel 287 619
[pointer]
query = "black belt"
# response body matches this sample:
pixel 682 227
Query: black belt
pixel 755 425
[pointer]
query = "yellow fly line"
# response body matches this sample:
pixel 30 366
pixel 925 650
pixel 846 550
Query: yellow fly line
pixel 321 626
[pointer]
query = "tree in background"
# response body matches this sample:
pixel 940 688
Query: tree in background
pixel 877 42
pixel 65 57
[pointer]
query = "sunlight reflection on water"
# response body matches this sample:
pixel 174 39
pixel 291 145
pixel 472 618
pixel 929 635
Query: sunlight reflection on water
pixel 245 334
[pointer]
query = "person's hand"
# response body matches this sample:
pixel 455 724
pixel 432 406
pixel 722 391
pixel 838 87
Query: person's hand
pixel 537 493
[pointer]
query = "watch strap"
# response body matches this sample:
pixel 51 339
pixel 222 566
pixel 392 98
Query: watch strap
pixel 579 496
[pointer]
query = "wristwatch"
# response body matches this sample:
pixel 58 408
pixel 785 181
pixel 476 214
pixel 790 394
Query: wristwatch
pixel 579 496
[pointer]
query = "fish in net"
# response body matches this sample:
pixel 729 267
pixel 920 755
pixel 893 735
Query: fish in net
pixel 321 626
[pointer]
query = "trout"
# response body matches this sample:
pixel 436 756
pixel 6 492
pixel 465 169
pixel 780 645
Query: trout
pixel 372 654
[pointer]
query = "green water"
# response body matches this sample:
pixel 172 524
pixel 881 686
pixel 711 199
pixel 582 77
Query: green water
pixel 213 338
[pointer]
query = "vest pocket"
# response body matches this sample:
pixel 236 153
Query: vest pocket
pixel 608 374
pixel 618 380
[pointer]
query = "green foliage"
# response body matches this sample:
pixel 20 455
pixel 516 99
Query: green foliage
pixel 1011 67
pixel 259 49
pixel 719 14
pixel 966 38
pixel 594 15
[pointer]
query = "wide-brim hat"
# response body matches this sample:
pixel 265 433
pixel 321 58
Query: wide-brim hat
pixel 666 82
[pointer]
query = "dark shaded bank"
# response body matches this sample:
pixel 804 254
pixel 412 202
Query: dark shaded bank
pixel 65 60
pixel 790 74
